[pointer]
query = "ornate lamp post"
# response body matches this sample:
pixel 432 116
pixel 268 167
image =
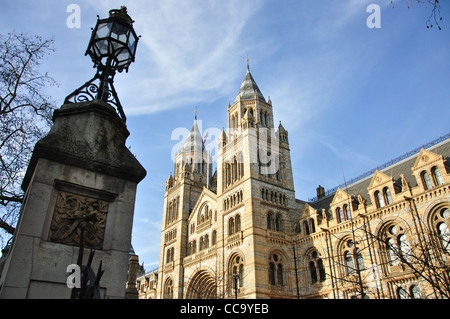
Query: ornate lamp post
pixel 112 48
pixel 235 277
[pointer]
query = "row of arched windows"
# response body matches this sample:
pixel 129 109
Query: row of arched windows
pixel 274 221
pixel 233 171
pixel 397 245
pixel 412 293
pixel 234 120
pixel 353 258
pixel 394 246
pixel 343 213
pixel 170 235
pixel 433 180
pixel 316 268
pixel 172 210
pixel 274 197
pixel 276 270
pixel 233 200
pixel 205 215
pixel 429 179
pixel 309 226
pixel 264 118
pixel 204 243
pixel 383 198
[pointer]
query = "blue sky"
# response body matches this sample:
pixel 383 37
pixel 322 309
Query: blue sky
pixel 351 97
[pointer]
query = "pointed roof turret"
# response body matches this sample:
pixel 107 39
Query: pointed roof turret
pixel 281 128
pixel 194 141
pixel 249 89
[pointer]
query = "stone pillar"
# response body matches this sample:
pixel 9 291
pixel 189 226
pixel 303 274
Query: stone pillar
pixel 81 175
pixel 132 292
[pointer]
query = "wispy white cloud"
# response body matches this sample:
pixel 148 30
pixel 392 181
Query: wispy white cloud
pixel 189 51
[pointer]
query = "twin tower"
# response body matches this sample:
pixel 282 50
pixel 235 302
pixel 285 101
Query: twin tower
pixel 225 233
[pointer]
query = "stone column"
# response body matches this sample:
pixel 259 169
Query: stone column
pixel 81 175
pixel 132 292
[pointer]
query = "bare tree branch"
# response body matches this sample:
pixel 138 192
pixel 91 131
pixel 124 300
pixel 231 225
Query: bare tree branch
pixel 25 114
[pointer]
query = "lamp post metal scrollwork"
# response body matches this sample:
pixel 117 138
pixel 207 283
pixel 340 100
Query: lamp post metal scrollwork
pixel 112 48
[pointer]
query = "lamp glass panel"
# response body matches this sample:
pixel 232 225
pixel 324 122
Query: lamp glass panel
pixel 120 32
pixel 102 46
pixel 132 42
pixel 103 30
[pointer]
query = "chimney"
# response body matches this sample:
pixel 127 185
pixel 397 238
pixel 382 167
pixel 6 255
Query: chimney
pixel 320 192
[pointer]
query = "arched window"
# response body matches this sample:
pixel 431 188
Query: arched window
pixel 379 200
pixel 270 225
pixel 322 275
pixel 437 176
pixel 444 235
pixel 272 274
pixel 353 258
pixel 278 222
pixel 237 268
pixel 170 254
pixel 313 272
pixel 214 237
pixel 348 215
pixel 240 165
pixel 387 196
pixel 313 226
pixel 231 226
pixel 426 180
pixel 402 293
pixel 415 292
pixel 348 259
pixel 397 245
pixel 168 289
pixel 393 251
pixel 306 226
pixel 280 275
pixel 316 268
pixel 237 223
pixel 359 259
pixel 441 227
pixel 206 241
pixel 339 215
pixel 276 270
pixel 405 248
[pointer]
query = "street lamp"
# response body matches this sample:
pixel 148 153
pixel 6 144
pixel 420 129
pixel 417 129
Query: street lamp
pixel 112 48
pixel 235 277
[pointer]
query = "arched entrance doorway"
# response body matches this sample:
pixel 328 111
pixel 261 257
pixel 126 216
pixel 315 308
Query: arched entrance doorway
pixel 202 286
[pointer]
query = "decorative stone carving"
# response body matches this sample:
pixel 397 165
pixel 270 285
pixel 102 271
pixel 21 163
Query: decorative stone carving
pixel 74 213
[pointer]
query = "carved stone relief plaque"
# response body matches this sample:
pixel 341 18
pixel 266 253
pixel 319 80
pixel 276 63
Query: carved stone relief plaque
pixel 76 212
